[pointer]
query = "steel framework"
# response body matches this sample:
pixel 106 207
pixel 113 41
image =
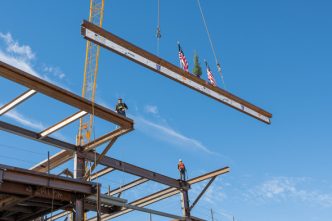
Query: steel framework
pixel 28 194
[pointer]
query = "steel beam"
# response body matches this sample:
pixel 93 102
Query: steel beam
pixel 12 104
pixel 35 136
pixel 60 94
pixel 63 123
pixel 128 186
pixel 163 194
pixel 101 172
pixel 64 156
pixel 96 162
pixel 135 170
pixel 130 51
pixel 202 193
pixel 28 177
pixel 105 138
pixel 56 160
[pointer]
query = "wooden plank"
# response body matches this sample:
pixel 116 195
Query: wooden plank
pixel 60 94
pixel 113 43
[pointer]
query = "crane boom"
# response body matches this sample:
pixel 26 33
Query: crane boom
pixel 90 72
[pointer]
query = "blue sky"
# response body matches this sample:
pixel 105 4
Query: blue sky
pixel 275 54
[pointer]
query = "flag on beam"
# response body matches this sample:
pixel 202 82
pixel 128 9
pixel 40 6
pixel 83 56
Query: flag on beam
pixel 210 75
pixel 183 60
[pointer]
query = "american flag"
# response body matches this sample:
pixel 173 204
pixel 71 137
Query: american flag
pixel 210 75
pixel 183 60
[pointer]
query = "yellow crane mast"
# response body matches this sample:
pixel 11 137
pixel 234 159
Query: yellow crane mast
pixel 90 72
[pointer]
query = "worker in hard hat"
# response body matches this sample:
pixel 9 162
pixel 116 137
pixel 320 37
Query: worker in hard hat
pixel 121 107
pixel 182 170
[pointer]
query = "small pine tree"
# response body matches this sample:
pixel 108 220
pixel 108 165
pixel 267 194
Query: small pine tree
pixel 197 67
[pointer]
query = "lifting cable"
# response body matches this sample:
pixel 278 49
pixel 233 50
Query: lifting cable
pixel 211 44
pixel 158 33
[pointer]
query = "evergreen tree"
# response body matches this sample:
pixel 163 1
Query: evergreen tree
pixel 197 67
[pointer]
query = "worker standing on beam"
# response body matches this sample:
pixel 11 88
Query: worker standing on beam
pixel 121 107
pixel 182 170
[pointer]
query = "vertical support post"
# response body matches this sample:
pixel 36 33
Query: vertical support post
pixel 212 218
pixel 98 203
pixel 48 162
pixel 79 167
pixel 185 204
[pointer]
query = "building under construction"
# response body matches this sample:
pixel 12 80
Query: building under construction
pixel 37 194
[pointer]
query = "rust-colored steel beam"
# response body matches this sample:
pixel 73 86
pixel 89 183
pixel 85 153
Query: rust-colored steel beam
pixel 101 172
pixel 60 94
pixel 55 160
pixel 202 193
pixel 135 170
pixel 35 136
pixel 130 51
pixel 163 194
pixel 128 186
pixel 62 123
pixel 28 177
pixel 105 138
pixel 96 162
pixel 12 104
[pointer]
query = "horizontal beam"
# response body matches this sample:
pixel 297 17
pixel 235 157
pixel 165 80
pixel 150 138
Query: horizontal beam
pixel 28 177
pixel 135 170
pixel 101 172
pixel 124 48
pixel 35 136
pixel 9 106
pixel 128 186
pixel 60 94
pixel 105 138
pixel 163 194
pixel 65 155
pixel 111 201
pixel 55 160
pixel 41 192
pixel 63 123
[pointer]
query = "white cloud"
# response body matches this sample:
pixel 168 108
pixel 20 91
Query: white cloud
pixel 55 71
pixel 152 109
pixel 18 63
pixel 15 48
pixel 18 117
pixel 20 56
pixel 30 123
pixel 286 188
pixel 169 134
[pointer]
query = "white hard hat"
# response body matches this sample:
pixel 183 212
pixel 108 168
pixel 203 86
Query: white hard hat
pixel 180 160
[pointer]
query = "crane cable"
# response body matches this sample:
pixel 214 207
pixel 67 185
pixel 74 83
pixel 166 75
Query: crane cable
pixel 211 44
pixel 158 33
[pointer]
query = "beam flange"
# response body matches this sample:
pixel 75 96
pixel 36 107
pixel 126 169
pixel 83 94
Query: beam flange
pixel 35 136
pixel 12 104
pixel 130 51
pixel 128 186
pixel 63 123
pixel 135 170
pixel 60 94
pixel 163 194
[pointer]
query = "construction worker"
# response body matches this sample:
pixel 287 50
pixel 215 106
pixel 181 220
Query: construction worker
pixel 182 170
pixel 121 107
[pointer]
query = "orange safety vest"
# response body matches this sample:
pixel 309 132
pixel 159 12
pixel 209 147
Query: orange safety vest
pixel 181 166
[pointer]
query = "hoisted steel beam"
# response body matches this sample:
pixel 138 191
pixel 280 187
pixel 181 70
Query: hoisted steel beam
pixel 128 50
